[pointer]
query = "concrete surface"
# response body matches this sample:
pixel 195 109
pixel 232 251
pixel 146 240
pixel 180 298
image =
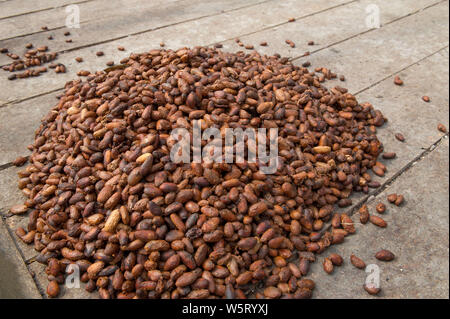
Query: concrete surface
pixel 417 233
pixel 412 42
pixel 15 279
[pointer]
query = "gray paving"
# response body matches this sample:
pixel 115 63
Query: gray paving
pixel 412 42
pixel 15 279
pixel 417 233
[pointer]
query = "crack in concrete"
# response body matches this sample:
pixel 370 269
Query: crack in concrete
pixel 401 70
pixel 89 20
pixel 32 274
pixel 138 32
pixel 240 35
pixel 366 199
pixel 8 165
pixel 370 197
pixel 286 22
pixel 31 97
pixel 119 38
pixel 5 166
pixel 367 31
pixel 44 9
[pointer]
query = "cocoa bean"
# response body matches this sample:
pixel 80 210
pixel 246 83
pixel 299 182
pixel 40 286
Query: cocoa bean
pixel 357 262
pixel 384 255
pixel 104 192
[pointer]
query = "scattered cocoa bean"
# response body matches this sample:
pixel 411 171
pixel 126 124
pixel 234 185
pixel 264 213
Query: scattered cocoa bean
pixel 442 128
pixel 357 262
pixel 327 265
pixel 397 80
pixel 392 198
pixel 53 289
pixel 291 44
pixel 389 155
pixel 19 161
pixel 400 137
pixel 336 259
pixel 364 214
pixel 377 221
pixel 399 200
pixel 384 255
pixel 380 208
pixel 371 289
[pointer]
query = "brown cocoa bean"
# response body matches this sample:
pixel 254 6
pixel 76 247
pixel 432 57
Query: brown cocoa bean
pixel 327 265
pixel 377 221
pixel 357 262
pixel 384 255
pixel 53 289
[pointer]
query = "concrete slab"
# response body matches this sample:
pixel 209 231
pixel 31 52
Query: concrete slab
pixel 21 120
pixel 121 19
pixel 23 6
pixel 13 222
pixel 18 124
pixel 367 58
pixel 55 19
pixel 9 193
pixel 15 280
pixel 327 28
pixel 196 32
pixel 417 233
pixel 200 32
pixel 408 113
pixel 416 47
pixel 401 105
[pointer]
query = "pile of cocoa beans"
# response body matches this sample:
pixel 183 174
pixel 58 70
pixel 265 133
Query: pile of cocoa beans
pixel 103 193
